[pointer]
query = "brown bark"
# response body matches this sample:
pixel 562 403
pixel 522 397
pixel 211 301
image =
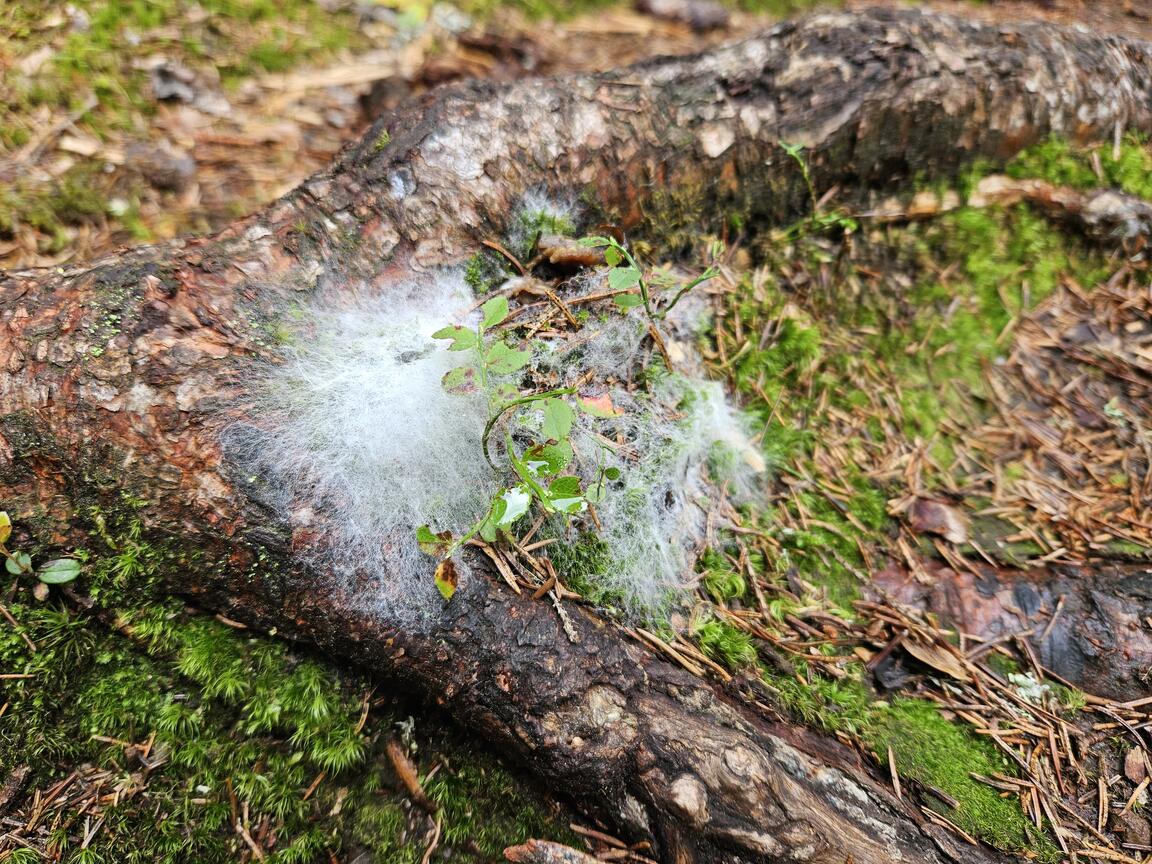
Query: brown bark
pixel 122 374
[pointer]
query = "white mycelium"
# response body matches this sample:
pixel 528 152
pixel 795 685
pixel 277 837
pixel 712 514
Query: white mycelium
pixel 353 436
pixel 356 435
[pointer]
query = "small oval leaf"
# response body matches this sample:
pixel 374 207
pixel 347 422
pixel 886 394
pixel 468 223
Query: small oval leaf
pixel 59 571
pixel 558 419
pixel 459 381
pixel 495 311
pixel 623 277
pixel 5 526
pixel 20 562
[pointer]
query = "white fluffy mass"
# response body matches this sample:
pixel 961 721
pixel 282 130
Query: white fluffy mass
pixel 664 443
pixel 353 437
pixel 356 436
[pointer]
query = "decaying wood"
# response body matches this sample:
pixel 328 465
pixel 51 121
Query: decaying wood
pixel 121 375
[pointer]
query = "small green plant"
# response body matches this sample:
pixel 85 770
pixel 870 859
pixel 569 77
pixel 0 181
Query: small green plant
pixel 58 571
pixel 626 274
pixel 538 469
pixel 819 219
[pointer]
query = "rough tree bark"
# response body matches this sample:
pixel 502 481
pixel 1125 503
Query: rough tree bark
pixel 121 374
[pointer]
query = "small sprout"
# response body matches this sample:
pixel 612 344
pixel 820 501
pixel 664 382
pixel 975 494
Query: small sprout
pixel 537 467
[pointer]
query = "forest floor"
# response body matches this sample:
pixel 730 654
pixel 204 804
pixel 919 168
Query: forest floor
pixel 158 733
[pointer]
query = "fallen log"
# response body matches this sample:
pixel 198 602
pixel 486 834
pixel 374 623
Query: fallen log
pixel 122 376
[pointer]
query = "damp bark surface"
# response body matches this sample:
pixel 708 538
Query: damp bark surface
pixel 121 375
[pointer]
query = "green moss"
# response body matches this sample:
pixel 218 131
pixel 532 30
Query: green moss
pixel 932 753
pixel 229 713
pixel 486 271
pixel 1061 163
pixel 720 581
pixel 940 754
pixel 382 141
pixel 579 562
pixel 483 809
pixel 75 198
pixel 725 643
pixel 383 826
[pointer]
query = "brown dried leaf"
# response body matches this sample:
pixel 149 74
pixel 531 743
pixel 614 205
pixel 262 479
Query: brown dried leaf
pixel 939 658
pixel 547 852
pixel 1135 768
pixel 929 516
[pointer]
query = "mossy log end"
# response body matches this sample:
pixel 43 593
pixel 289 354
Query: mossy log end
pixel 120 376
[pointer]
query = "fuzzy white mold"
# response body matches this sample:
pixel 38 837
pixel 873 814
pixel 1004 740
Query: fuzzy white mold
pixel 354 433
pixel 354 436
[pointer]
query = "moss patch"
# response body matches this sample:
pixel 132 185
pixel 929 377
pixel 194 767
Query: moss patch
pixel 198 720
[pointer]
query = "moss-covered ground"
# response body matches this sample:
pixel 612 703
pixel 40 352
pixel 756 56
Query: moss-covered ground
pixel 863 360
pixel 166 727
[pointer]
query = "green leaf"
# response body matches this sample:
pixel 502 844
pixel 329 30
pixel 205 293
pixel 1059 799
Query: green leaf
pixel 5 526
pixel 595 241
pixel 430 543
pixel 611 473
pixel 58 571
pixel 499 508
pixel 495 311
pixel 503 360
pixel 564 495
pixel 503 393
pixel 565 486
pixel 558 419
pixel 612 256
pixel 460 381
pixel 548 459
pixel 623 277
pixel 20 562
pixel 463 338
pixel 516 500
pixel 446 578
pixel 628 301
